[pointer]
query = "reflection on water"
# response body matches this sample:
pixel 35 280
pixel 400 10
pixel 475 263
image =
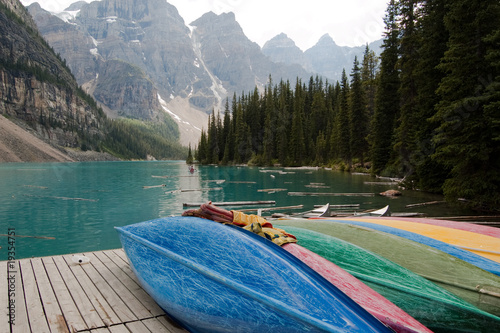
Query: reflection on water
pixel 80 203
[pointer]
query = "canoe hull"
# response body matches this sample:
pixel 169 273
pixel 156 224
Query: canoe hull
pixel 431 305
pixel 215 278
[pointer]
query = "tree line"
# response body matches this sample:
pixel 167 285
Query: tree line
pixel 427 109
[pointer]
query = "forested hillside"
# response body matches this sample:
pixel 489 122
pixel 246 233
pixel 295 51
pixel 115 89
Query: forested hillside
pixel 427 110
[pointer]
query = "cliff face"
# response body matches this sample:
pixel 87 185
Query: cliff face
pixel 35 85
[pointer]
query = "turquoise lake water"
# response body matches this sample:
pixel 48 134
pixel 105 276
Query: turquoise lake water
pixel 80 203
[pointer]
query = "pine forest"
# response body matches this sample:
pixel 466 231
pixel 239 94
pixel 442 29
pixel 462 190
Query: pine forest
pixel 427 109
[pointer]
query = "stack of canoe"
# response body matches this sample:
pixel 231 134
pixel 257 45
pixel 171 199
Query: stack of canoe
pixel 358 274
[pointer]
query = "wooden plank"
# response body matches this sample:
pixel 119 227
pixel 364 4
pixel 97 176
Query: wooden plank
pixel 119 329
pixel 134 288
pixel 53 312
pixel 103 308
pixel 137 327
pixel 108 292
pixel 100 330
pixel 139 310
pixel 4 299
pixel 71 313
pixel 171 325
pixel 120 259
pixel 154 325
pixel 36 315
pixel 21 315
pixel 85 307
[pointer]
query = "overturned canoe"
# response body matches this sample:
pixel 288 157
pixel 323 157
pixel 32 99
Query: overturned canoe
pixel 482 245
pixel 215 278
pixel 430 304
pixel 379 306
pixel 465 280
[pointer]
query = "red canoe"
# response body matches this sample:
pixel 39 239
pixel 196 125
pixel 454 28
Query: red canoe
pixel 373 302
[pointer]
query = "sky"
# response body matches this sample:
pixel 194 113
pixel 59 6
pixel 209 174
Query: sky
pixel 349 23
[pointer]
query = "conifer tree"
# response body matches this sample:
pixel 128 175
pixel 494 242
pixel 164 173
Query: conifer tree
pixel 429 173
pixel 358 115
pixel 387 102
pixel 342 121
pixel 465 138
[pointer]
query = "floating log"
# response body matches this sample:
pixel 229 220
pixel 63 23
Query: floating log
pixel 241 182
pixel 381 183
pixel 424 204
pixel 172 176
pixel 36 186
pixel 62 198
pixel 26 236
pixel 272 190
pixel 332 194
pixel 201 189
pixel 231 203
pixel 270 208
pixel 340 206
pixel 153 186
pixel 317 186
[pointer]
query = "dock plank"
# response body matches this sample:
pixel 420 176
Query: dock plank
pixel 55 317
pixel 36 316
pixel 130 284
pixel 138 310
pixel 103 309
pixel 70 311
pixel 56 295
pixel 112 298
pixel 4 299
pixel 85 307
pixel 20 319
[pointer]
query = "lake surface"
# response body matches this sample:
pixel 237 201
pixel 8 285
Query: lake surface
pixel 80 203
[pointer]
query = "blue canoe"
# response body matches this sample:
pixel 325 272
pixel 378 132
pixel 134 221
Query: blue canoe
pixel 481 262
pixel 215 278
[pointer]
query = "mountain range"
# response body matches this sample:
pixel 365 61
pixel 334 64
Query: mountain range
pixel 139 59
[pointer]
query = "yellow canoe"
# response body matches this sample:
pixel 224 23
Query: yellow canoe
pixel 482 245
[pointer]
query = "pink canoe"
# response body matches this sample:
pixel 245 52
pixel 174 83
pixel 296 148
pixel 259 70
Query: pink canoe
pixel 373 302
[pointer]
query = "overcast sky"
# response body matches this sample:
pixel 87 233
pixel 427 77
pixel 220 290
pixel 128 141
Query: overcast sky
pixel 349 23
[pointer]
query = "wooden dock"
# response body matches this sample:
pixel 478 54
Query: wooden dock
pixel 55 294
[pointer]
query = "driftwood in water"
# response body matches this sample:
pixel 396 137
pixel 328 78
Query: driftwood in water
pixel 381 183
pixel 153 186
pixel 231 203
pixel 272 190
pixel 424 204
pixel 271 208
pixel 332 194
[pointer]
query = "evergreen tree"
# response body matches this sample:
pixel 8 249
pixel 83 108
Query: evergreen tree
pixel 358 115
pixel 466 140
pixel 429 173
pixel 387 103
pixel 408 49
pixel 368 78
pixel 342 121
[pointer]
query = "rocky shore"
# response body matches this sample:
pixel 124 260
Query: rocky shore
pixel 17 144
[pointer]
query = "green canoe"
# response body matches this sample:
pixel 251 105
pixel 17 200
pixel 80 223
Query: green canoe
pixel 430 304
pixel 467 281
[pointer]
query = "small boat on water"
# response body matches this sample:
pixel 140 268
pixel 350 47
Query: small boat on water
pixel 211 277
pixel 428 303
pixel 465 280
pixel 321 211
pixel 384 211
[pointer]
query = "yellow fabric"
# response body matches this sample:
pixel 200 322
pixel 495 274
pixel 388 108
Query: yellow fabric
pixel 276 235
pixel 243 219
